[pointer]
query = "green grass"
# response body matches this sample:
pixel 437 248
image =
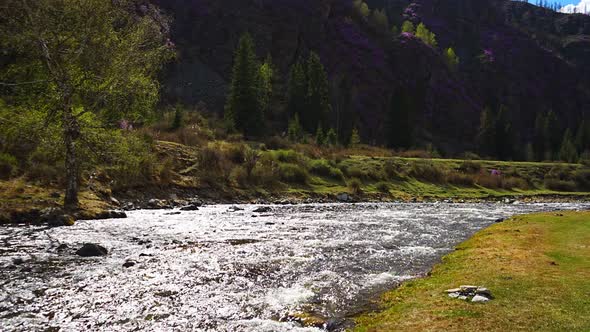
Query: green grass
pixel 537 266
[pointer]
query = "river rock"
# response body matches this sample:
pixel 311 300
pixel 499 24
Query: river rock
pixel 263 209
pixel 191 207
pixel 129 263
pixel 343 197
pixel 92 250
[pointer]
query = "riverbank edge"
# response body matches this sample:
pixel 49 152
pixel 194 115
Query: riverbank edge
pixel 104 204
pixel 423 304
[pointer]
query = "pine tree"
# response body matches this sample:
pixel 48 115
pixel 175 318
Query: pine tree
pixel 504 135
pixel 568 151
pixel 398 123
pixel 178 121
pixel 294 131
pixel 318 99
pixel 297 90
pixel 539 146
pixel 451 58
pixel 552 133
pixel 355 139
pixel 486 137
pixel 266 84
pixel 243 109
pixel 331 138
pixel 319 136
pixel 427 37
pixel 408 27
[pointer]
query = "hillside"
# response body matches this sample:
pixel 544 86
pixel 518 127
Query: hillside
pixel 529 59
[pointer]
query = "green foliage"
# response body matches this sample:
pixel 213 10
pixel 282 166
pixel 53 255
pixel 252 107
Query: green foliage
pixel 244 108
pixel 451 58
pixel 355 139
pixel 568 151
pixel 318 94
pixel 362 8
pixel 427 37
pixel 178 121
pixel 495 136
pixel 331 138
pixel 68 59
pixel 320 139
pixel 380 20
pixel 395 30
pixel 8 166
pixel 293 173
pixel 582 178
pixel 295 132
pixel 323 168
pixel 266 84
pixel 297 92
pixel 408 27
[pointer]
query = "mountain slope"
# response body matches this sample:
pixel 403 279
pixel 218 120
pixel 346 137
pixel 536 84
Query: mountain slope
pixel 507 58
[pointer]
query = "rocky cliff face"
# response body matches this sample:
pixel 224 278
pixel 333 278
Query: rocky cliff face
pixel 529 59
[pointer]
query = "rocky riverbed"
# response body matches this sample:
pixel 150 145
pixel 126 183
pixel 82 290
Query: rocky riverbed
pixel 228 268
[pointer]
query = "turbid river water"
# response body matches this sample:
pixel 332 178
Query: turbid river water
pixel 217 269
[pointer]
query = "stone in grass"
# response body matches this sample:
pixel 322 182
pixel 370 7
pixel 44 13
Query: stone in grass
pixel 454 295
pixel 484 292
pixel 479 299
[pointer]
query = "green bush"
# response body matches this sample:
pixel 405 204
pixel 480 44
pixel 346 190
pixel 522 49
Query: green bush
pixel 288 156
pixel 8 166
pixel 355 172
pixel 582 178
pixel 265 171
pixel 240 176
pixel 560 185
pixel 515 183
pixel 323 168
pixel 427 172
pixel 293 173
pixel 391 171
pixel 236 153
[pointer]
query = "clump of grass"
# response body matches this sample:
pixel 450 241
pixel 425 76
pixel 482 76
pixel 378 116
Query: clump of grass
pixel 355 186
pixel 460 179
pixel 427 172
pixel 470 167
pixel 323 168
pixel 383 187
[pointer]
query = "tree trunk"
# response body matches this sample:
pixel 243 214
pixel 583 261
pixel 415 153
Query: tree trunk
pixel 71 134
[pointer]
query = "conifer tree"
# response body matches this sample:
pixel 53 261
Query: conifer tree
pixel 428 37
pixel 355 139
pixel 451 58
pixel 398 123
pixel 539 146
pixel 294 131
pixel 297 90
pixel 331 138
pixel 408 27
pixel 486 137
pixel 319 136
pixel 266 84
pixel 318 99
pixel 568 151
pixel 504 135
pixel 552 133
pixel 243 109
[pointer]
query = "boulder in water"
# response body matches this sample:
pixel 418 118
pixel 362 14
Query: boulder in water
pixel 263 209
pixel 92 250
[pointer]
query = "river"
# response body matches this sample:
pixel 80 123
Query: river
pixel 218 269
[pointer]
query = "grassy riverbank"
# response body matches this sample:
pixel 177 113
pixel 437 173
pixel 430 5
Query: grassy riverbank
pixel 537 266
pixel 223 171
